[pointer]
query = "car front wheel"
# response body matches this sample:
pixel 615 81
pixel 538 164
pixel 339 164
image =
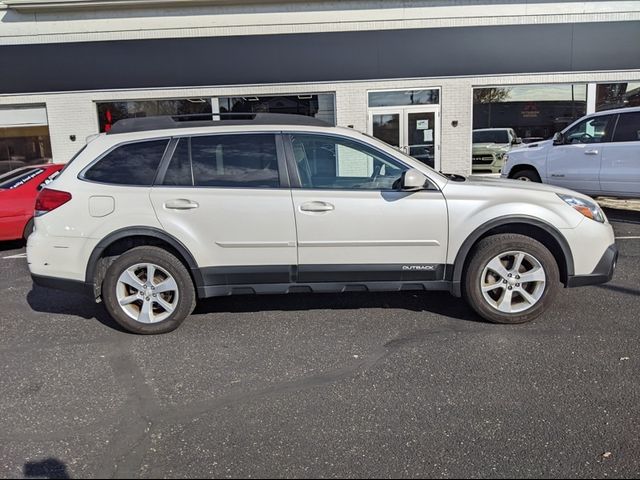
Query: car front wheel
pixel 527 176
pixel 511 278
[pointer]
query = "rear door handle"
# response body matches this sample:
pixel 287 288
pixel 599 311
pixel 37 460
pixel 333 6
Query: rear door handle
pixel 316 207
pixel 591 152
pixel 180 204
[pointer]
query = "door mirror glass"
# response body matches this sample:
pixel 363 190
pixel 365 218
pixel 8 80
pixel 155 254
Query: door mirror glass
pixel 558 138
pixel 517 141
pixel 413 180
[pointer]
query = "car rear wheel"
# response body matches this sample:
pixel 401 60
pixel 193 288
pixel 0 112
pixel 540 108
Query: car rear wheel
pixel 528 175
pixel 147 290
pixel 511 279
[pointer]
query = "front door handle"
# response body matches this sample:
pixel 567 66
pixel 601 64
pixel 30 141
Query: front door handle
pixel 180 204
pixel 591 152
pixel 316 207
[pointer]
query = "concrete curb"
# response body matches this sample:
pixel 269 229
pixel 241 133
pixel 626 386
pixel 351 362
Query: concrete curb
pixel 619 203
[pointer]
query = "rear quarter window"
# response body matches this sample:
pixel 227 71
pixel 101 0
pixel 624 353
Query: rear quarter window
pixel 129 164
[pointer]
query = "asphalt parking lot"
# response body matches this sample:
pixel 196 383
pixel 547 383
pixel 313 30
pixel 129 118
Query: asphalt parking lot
pixel 354 385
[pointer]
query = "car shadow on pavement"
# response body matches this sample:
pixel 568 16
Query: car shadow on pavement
pixel 440 303
pixel 49 468
pixel 46 300
pixel 622 216
pixel 12 245
pixel 619 289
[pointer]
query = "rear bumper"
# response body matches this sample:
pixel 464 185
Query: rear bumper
pixel 601 274
pixel 68 285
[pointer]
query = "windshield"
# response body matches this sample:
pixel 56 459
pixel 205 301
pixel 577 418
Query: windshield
pixel 490 136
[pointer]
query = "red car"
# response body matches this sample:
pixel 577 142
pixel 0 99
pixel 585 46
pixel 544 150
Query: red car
pixel 18 191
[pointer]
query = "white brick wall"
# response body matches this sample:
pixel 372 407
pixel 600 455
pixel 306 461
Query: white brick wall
pixel 76 114
pixel 78 25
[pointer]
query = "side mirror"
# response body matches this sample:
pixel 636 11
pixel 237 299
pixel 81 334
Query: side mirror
pixel 558 138
pixel 413 180
pixel 517 141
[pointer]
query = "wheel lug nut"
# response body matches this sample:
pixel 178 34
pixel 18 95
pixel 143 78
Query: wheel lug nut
pixel 510 287
pixel 517 284
pixel 504 281
pixel 509 275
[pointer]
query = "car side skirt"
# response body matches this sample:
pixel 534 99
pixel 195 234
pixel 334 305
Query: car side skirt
pixel 282 279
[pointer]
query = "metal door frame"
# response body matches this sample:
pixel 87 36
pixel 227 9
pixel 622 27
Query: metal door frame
pixel 403 112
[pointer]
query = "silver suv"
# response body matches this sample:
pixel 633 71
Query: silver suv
pixel 159 213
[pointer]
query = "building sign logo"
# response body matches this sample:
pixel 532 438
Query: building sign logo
pixel 530 110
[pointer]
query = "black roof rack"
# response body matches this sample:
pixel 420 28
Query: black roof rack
pixel 164 122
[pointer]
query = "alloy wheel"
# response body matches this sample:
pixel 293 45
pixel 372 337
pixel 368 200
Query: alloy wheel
pixel 147 293
pixel 513 282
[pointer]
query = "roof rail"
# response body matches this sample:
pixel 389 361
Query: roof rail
pixel 141 124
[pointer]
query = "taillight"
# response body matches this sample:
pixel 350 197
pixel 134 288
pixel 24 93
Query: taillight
pixel 49 199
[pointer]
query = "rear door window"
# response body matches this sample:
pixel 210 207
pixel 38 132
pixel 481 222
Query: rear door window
pixel 129 164
pixel 238 160
pixel 628 128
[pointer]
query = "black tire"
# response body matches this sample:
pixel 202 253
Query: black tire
pixel 28 229
pixel 186 298
pixel 488 249
pixel 528 175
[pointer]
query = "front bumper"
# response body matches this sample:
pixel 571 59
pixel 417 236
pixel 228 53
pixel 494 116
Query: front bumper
pixel 601 274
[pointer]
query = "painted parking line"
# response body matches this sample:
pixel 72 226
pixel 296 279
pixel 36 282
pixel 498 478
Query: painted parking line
pixel 628 238
pixel 20 255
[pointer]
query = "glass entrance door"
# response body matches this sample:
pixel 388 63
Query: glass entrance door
pixel 386 127
pixel 420 130
pixel 414 130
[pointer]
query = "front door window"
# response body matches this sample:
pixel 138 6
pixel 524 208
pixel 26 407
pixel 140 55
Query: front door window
pixel 326 162
pixel 593 130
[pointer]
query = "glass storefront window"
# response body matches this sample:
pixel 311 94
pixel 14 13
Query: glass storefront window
pixel 617 95
pixel 535 112
pixel 111 112
pixel 24 145
pixel 395 98
pixel 320 106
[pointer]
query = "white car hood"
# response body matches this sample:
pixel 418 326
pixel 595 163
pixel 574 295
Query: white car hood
pixel 488 182
pixel 541 145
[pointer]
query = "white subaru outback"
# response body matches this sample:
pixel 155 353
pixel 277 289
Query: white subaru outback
pixel 159 213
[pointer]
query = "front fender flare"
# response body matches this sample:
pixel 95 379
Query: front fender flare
pixel 454 272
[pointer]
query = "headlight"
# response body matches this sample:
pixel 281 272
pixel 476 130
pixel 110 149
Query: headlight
pixel 585 207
